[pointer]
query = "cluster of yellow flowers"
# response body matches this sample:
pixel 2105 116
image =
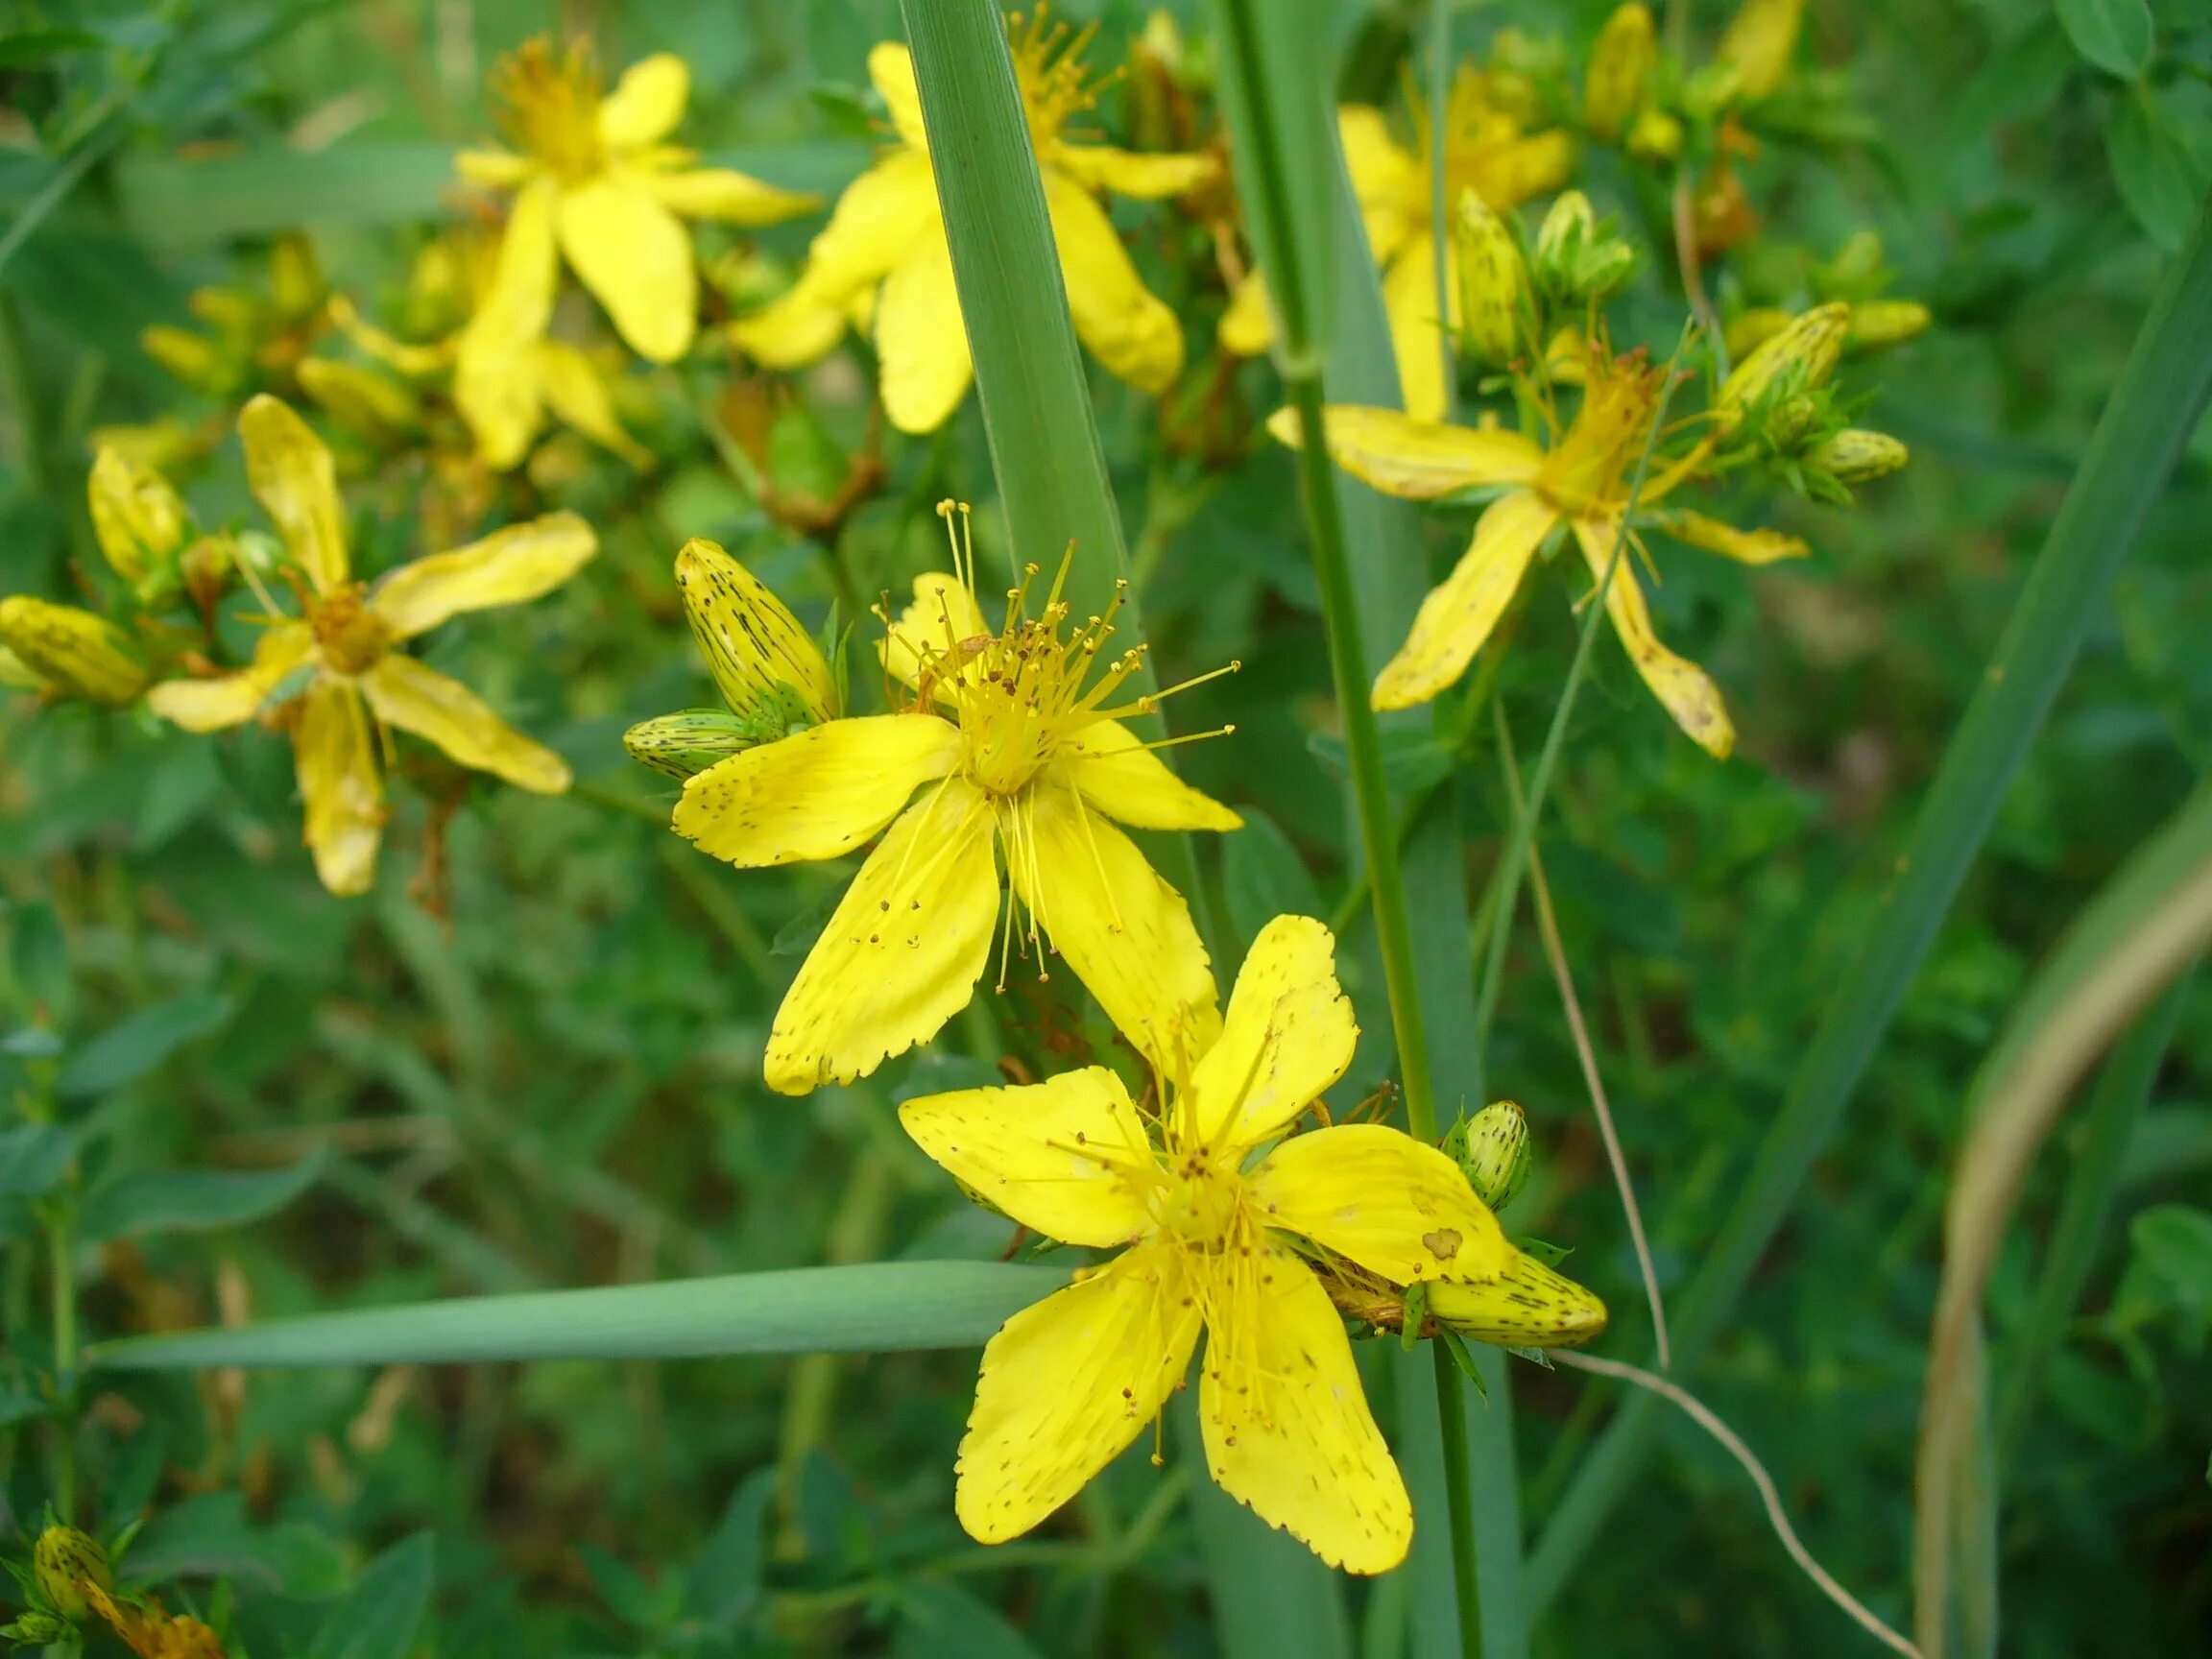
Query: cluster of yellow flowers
pixel 1012 756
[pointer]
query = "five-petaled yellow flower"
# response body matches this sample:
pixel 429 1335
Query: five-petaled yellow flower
pixel 1580 480
pixel 1486 150
pixel 1218 1239
pixel 343 648
pixel 1021 755
pixel 595 181
pixel 883 256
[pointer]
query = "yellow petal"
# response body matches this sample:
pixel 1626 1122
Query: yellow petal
pixel 1114 921
pixel 1049 1156
pixel 1416 340
pixel 816 794
pixel 138 518
pixel 1142 175
pixel 1384 176
pixel 790 333
pixel 1127 782
pixel 1247 326
pixel 1376 1195
pixel 1716 535
pixel 727 197
pixel 1288 1430
pixel 1527 1306
pixel 1419 460
pixel 292 475
pixel 232 699
pixel 496 384
pixel 752 643
pixel 921 341
pixel 636 258
pixel 1126 328
pixel 1288 1036
pixel 1067 1384
pixel 338 781
pixel 498 168
pixel 891 71
pixel 902 952
pixel 577 392
pixel 1681 685
pixel 1459 613
pixel 880 216
pixel 506 568
pixel 1510 173
pixel 646 102
pixel 441 710
pixel 942 614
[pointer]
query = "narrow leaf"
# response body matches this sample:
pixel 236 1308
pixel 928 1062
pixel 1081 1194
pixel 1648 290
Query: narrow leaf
pixel 191 1200
pixel 125 1052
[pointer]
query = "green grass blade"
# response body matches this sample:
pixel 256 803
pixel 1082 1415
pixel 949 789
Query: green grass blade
pixel 877 1308
pixel 2155 405
pixel 2122 1093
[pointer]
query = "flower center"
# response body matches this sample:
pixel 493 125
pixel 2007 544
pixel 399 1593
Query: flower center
pixel 1585 473
pixel 1048 65
pixel 1198 1202
pixel 351 635
pixel 550 105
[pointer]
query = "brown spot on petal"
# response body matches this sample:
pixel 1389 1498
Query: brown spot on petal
pixel 1443 1243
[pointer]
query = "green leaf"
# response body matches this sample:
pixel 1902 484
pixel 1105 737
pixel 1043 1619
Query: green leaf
pixel 28 48
pixel 2174 1241
pixel 37 961
pixel 1263 878
pixel 2116 36
pixel 381 1617
pixel 726 1577
pixel 936 1618
pixel 34 1157
pixel 191 1200
pixel 211 1537
pixel 125 1052
pixel 2159 177
pixel 880 1308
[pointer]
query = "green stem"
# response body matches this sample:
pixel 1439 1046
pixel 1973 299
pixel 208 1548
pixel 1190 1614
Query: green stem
pixel 61 1241
pixel 23 403
pixel 1458 1498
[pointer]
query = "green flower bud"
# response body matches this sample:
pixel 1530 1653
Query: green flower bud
pixel 1801 355
pixel 1878 322
pixel 35 1629
pixel 1857 456
pixel 75 653
pixel 1621 64
pixel 1578 260
pixel 63 1562
pixel 685 745
pixel 1495 1153
pixel 19 675
pixel 1494 294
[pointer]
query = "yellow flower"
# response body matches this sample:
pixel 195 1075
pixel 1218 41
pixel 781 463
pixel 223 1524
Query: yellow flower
pixel 595 181
pixel 1212 1238
pixel 883 260
pixel 770 672
pixel 1486 150
pixel 65 651
pixel 1025 756
pixel 338 662
pixel 1579 481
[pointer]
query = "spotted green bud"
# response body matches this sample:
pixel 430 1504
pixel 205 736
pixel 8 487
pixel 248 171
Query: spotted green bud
pixel 74 651
pixel 1495 300
pixel 1495 1154
pixel 1622 63
pixel 1878 322
pixel 686 744
pixel 138 518
pixel 1857 456
pixel 63 1562
pixel 754 647
pixel 1799 356
pixel 1577 261
pixel 1527 1305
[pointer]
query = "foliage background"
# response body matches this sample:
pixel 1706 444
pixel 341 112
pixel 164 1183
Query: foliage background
pixel 557 1083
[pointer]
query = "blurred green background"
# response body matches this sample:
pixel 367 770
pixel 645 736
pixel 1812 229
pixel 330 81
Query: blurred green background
pixel 532 1057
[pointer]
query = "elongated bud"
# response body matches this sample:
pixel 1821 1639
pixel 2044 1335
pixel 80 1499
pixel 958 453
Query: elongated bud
pixel 1621 61
pixel 1494 293
pixel 1878 322
pixel 752 644
pixel 1856 264
pixel 1529 1305
pixel 63 1562
pixel 1496 1156
pixel 1578 262
pixel 1803 351
pixel 364 401
pixel 1761 40
pixel 686 744
pixel 192 358
pixel 75 653
pixel 1856 455
pixel 295 280
pixel 136 517
pixel 1748 331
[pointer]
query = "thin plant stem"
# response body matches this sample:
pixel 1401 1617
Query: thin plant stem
pixel 1548 927
pixel 61 1241
pixel 1439 93
pixel 1507 876
pixel 1458 1499
pixel 32 454
pixel 1768 1494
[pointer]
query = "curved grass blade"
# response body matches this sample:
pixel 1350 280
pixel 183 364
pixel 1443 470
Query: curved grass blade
pixel 882 1308
pixel 2154 408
